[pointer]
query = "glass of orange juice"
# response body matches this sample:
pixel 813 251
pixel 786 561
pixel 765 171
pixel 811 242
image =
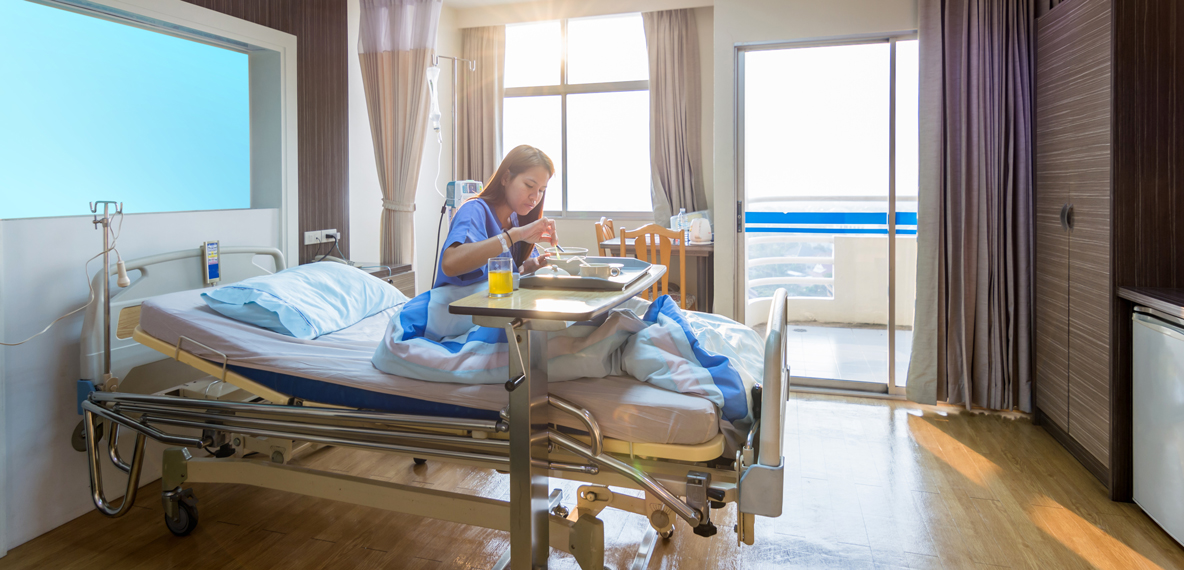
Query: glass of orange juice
pixel 501 276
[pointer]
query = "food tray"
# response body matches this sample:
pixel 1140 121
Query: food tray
pixel 631 270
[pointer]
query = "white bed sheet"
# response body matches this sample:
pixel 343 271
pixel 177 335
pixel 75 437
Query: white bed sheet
pixel 625 408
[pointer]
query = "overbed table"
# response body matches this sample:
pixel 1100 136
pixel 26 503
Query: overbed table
pixel 704 269
pixel 534 312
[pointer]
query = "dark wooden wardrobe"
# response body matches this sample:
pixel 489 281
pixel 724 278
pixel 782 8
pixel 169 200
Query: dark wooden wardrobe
pixel 1109 210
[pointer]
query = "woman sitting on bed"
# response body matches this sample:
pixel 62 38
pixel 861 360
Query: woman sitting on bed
pixel 655 342
pixel 505 219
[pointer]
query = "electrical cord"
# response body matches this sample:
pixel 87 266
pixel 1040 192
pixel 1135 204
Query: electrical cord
pixel 335 247
pixel 439 155
pixel 439 226
pixel 318 253
pixel 89 283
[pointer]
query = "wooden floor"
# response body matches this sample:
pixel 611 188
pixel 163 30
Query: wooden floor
pixel 869 484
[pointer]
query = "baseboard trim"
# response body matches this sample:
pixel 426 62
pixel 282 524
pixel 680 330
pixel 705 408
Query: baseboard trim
pixel 1078 451
pixel 841 392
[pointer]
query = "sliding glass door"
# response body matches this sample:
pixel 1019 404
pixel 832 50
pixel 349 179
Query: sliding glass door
pixel 828 167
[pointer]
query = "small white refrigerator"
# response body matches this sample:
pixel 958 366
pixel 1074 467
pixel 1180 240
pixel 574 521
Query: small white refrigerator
pixel 1158 409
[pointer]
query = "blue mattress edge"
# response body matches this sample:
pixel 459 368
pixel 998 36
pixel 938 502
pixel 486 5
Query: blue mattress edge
pixel 350 397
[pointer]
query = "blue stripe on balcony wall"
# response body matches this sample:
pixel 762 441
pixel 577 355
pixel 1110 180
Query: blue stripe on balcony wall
pixel 861 223
pixel 906 218
pixel 801 230
pixel 902 218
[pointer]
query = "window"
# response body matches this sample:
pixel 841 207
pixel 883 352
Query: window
pixel 105 110
pixel 579 90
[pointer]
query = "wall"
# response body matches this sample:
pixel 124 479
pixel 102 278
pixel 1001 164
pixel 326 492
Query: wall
pixel 745 21
pixel 323 104
pixel 365 195
pixel 41 265
pixel 41 277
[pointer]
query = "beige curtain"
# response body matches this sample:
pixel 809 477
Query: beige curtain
pixel 480 109
pixel 396 42
pixel 972 343
pixel 676 155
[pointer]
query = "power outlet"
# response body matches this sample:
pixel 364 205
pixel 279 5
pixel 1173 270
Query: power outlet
pixel 318 236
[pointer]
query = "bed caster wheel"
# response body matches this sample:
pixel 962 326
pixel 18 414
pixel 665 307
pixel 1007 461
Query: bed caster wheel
pixel 185 522
pixel 667 534
pixel 419 461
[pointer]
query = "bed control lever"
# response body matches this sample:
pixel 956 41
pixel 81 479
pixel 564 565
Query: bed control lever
pixel 513 383
pixel 698 486
pixel 716 496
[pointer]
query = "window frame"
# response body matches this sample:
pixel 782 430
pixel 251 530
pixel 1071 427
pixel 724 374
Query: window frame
pixel 563 89
pixel 740 279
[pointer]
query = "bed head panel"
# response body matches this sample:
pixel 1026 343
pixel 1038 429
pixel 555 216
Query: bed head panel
pixel 157 275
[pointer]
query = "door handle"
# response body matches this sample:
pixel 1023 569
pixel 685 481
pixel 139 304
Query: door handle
pixel 1067 217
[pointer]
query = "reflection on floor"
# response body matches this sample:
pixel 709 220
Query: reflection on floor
pixel 868 484
pixel 847 353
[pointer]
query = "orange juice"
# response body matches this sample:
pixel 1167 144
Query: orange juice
pixel 501 283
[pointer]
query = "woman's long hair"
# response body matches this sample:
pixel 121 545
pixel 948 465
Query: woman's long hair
pixel 517 161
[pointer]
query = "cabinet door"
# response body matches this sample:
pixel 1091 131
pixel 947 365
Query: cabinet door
pixel 1055 140
pixel 1090 288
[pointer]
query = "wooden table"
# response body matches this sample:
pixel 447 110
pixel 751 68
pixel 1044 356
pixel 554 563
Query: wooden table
pixel 704 270
pixel 527 315
pixel 401 276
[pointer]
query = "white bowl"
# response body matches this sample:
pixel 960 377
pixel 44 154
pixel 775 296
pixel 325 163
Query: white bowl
pixel 572 251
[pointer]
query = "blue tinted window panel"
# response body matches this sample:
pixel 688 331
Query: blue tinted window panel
pixel 97 110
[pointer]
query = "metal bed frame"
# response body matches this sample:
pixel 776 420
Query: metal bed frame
pixel 673 488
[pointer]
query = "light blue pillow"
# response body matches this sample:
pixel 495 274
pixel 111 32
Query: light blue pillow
pixel 306 301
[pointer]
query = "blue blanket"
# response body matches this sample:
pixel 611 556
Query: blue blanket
pixel 688 352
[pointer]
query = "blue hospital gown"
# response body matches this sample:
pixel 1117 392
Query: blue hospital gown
pixel 474 221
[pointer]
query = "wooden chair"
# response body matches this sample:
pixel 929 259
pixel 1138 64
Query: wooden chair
pixel 653 243
pixel 604 231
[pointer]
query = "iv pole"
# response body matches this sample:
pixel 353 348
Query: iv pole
pixel 455 77
pixel 104 283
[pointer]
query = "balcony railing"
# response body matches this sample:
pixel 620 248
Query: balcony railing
pixel 831 254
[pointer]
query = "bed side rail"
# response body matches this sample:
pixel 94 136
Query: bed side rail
pixel 761 483
pixel 775 384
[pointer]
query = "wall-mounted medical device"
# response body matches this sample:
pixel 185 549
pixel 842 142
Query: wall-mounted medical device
pixel 212 264
pixel 459 191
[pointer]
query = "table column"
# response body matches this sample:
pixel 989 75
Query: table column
pixel 529 537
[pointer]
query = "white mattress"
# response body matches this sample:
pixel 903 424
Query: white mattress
pixel 625 408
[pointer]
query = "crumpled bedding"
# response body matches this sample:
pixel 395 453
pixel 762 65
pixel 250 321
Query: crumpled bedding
pixel 658 343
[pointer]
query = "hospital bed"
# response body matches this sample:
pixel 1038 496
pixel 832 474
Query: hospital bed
pixel 248 399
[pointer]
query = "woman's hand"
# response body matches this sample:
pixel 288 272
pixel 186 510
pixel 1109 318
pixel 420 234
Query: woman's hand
pixel 540 230
pixel 532 264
